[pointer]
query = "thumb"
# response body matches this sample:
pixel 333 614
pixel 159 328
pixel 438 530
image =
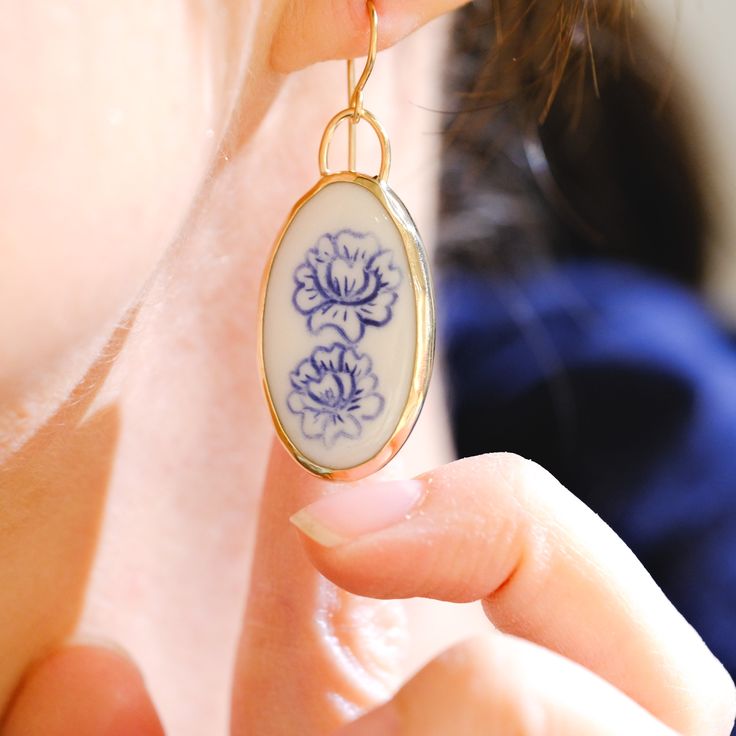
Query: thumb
pixel 500 684
pixel 311 656
pixel 82 691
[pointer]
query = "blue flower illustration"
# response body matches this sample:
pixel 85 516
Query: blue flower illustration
pixel 346 283
pixel 334 390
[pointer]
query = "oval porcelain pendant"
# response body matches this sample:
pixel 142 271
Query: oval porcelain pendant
pixel 347 328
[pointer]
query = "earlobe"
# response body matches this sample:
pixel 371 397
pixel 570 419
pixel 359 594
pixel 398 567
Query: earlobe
pixel 311 31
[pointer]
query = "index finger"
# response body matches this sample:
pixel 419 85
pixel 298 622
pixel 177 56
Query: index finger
pixel 501 529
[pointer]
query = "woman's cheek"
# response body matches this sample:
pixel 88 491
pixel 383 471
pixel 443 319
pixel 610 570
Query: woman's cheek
pixel 111 112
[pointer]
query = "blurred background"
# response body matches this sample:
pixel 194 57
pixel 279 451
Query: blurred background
pixel 587 270
pixel 698 36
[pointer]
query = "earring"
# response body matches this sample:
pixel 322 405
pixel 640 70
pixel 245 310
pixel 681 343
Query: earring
pixel 347 322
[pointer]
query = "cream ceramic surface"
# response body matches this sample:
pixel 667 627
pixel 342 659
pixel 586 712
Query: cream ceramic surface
pixel 340 327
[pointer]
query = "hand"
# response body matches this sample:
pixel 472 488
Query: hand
pixel 585 643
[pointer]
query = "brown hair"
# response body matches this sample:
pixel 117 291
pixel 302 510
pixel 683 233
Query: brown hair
pixel 535 42
pixel 567 138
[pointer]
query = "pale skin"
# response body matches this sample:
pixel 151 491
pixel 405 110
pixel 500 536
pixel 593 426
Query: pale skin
pixel 151 152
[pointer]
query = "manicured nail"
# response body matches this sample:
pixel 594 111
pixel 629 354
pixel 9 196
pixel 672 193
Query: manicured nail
pixel 82 639
pixel 363 509
pixel 383 721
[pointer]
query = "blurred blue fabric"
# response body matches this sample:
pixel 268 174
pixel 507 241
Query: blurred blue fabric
pixel 623 385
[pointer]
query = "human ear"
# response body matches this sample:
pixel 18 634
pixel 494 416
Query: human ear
pixel 310 31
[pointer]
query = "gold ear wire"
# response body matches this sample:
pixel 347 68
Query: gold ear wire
pixel 355 91
pixel 355 111
pixel 352 129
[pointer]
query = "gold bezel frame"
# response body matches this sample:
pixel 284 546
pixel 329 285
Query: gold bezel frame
pixel 425 323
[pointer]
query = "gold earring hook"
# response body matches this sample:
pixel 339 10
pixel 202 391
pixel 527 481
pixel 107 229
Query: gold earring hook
pixel 355 111
pixel 356 91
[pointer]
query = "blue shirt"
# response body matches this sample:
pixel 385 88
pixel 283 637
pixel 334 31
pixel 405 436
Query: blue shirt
pixel 623 385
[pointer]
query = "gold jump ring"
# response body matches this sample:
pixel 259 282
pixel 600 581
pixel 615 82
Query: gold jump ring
pixel 329 133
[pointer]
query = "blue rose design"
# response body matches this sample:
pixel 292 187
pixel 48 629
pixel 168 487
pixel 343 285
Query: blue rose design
pixel 334 390
pixel 346 283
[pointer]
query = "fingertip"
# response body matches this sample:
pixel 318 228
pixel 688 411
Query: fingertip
pixel 83 691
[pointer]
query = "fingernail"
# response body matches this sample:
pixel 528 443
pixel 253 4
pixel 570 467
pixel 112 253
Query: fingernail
pixel 383 721
pixel 361 510
pixel 83 639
